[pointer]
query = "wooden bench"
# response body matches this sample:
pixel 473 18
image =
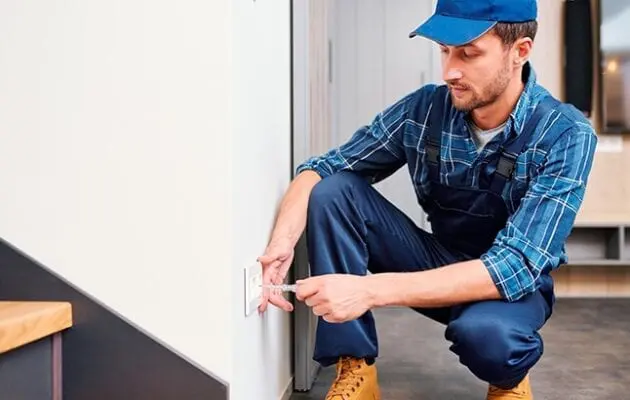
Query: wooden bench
pixel 30 348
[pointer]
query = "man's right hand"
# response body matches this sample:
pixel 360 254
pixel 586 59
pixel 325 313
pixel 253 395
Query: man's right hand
pixel 276 263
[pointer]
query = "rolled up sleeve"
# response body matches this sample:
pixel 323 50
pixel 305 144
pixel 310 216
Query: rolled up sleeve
pixel 532 243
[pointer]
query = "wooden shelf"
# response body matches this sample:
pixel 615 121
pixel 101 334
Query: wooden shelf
pixel 23 322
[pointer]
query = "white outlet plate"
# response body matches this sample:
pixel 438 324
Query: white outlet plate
pixel 253 290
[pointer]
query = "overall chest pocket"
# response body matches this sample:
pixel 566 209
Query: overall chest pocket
pixel 466 219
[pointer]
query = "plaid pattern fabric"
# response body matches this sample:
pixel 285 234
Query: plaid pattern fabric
pixel 543 198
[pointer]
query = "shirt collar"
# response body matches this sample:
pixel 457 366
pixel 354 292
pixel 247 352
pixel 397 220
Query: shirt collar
pixel 525 103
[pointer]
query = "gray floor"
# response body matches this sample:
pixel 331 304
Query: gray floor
pixel 587 357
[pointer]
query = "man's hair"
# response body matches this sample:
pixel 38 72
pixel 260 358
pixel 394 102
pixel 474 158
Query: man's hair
pixel 511 32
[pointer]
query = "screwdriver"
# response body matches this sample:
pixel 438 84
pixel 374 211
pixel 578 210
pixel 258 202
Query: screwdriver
pixel 282 288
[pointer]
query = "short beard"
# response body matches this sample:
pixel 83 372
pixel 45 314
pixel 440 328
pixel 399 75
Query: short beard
pixel 489 94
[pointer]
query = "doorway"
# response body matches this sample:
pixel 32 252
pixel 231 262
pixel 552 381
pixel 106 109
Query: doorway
pixel 351 59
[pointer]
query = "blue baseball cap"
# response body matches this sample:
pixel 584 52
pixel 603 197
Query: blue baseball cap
pixel 458 22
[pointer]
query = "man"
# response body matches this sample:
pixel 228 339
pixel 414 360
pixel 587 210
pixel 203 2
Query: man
pixel 499 166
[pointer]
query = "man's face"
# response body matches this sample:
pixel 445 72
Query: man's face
pixel 478 73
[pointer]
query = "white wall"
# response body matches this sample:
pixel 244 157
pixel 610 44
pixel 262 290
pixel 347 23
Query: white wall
pixel 614 26
pixel 262 171
pixel 115 159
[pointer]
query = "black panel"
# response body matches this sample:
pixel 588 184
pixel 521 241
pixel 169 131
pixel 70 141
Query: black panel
pixel 104 357
pixel 578 54
pixel 26 372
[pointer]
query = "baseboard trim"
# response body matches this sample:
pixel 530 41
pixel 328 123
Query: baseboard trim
pixel 288 391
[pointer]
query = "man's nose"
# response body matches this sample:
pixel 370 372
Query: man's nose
pixel 452 74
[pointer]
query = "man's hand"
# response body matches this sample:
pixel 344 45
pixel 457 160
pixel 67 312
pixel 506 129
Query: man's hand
pixel 337 298
pixel 276 263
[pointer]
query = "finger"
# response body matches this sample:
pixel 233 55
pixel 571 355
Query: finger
pixel 313 301
pixel 279 301
pixel 306 288
pixel 274 264
pixel 309 279
pixel 265 259
pixel 264 300
pixel 277 279
pixel 332 318
pixel 268 277
pixel 271 275
pixel 285 266
pixel 269 261
pixel 320 310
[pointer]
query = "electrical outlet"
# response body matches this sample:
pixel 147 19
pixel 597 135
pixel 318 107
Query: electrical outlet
pixel 253 289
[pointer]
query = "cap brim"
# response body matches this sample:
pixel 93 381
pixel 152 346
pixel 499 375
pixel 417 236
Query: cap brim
pixel 451 31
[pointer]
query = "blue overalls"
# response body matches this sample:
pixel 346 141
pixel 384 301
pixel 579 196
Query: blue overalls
pixel 352 228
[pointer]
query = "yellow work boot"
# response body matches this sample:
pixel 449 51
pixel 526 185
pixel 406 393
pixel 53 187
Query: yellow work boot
pixel 356 380
pixel 523 391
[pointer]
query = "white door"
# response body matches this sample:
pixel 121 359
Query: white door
pixel 374 64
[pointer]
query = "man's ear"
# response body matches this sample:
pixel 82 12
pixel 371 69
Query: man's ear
pixel 522 50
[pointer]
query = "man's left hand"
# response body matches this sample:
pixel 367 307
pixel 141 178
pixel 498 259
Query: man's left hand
pixel 335 297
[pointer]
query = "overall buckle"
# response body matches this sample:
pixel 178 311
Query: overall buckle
pixel 433 152
pixel 506 164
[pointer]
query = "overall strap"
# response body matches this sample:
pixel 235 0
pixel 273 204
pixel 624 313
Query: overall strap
pixel 507 159
pixel 433 141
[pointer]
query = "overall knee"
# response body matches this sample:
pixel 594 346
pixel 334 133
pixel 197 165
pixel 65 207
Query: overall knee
pixel 335 225
pixel 333 188
pixel 493 351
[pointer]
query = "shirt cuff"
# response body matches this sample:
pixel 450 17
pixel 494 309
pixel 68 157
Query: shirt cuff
pixel 314 164
pixel 504 278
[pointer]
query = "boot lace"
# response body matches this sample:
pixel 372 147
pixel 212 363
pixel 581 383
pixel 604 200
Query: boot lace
pixel 347 381
pixel 515 393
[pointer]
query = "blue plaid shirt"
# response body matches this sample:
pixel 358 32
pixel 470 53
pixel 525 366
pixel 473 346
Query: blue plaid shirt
pixel 553 179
